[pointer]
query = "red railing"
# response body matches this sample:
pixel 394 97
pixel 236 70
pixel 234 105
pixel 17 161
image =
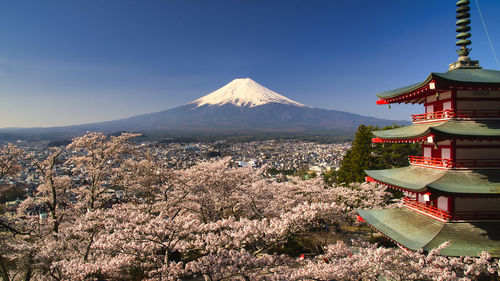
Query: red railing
pixel 447 114
pixel 427 209
pixel 448 163
pixel 444 114
pixel 431 161
pixel 444 215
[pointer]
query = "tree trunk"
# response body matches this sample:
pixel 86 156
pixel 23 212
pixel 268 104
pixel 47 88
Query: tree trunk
pixel 29 271
pixel 3 270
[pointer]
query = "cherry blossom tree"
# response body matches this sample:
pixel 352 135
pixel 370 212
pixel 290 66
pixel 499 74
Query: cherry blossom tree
pixel 10 158
pixel 96 158
pixel 53 192
pixel 210 221
pixel 364 261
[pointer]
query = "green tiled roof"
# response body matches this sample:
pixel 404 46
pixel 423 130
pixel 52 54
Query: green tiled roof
pixel 403 90
pixel 460 76
pixel 477 76
pixel 409 177
pixel 469 128
pixel 468 239
pixel 470 181
pixel 455 128
pixel 416 231
pixel 420 179
pixel 408 228
pixel 404 133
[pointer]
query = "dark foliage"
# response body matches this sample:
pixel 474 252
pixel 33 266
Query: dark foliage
pixel 365 155
pixel 11 193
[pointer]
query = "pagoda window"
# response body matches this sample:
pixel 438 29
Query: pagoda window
pixel 442 203
pixel 429 108
pixel 428 151
pixel 421 198
pixel 446 153
pixel 447 105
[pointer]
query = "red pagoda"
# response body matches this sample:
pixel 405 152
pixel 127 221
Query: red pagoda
pixel 451 192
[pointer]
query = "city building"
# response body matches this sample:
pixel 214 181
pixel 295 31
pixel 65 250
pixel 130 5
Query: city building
pixel 451 192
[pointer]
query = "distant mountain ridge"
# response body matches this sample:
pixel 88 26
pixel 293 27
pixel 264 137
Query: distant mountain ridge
pixel 241 107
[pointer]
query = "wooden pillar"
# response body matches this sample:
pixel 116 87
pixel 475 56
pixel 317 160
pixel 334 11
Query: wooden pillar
pixel 453 150
pixel 454 101
pixel 451 205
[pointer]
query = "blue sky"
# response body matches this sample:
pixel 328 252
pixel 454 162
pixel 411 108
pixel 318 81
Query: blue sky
pixel 70 62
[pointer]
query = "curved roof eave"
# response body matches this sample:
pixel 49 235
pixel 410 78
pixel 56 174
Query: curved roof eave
pixel 405 133
pixel 454 128
pixel 420 179
pixel 476 77
pixel 408 228
pixel 409 178
pixel 416 231
pixel 404 90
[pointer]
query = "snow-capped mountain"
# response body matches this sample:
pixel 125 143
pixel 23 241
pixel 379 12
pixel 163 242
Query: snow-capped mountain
pixel 242 107
pixel 243 92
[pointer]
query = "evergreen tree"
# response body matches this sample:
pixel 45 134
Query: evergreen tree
pixel 364 155
pixel 358 158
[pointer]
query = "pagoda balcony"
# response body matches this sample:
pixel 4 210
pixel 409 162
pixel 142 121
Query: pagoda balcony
pixel 442 163
pixel 433 116
pixel 447 216
pixel 431 162
pixel 426 209
pixel 449 114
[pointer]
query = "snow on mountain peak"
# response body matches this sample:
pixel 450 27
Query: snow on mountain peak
pixel 243 92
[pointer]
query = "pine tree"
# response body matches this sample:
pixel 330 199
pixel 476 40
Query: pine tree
pixel 358 158
pixel 365 156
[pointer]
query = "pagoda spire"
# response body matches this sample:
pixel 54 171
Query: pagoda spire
pixel 463 36
pixel 463 28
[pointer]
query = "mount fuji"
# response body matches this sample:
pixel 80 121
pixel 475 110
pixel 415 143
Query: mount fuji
pixel 242 107
pixel 243 93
